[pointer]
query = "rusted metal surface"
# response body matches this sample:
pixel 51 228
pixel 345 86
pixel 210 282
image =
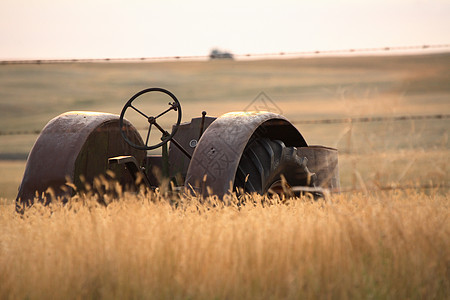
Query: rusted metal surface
pixel 217 155
pixel 71 145
pixel 324 162
pixel 187 136
pixel 133 167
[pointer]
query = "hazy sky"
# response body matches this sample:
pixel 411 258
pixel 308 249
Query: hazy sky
pixel 31 29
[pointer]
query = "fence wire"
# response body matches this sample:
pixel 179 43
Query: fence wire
pixel 371 119
pixel 320 121
pixel 245 55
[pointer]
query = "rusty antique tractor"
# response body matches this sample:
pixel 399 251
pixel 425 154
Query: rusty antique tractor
pixel 243 152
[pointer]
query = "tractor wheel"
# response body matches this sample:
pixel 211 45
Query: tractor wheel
pixel 269 166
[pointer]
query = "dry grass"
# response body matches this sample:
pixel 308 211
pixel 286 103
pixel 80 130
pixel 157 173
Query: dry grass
pixel 381 246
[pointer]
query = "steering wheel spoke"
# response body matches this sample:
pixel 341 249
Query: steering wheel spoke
pixel 148 134
pixel 172 106
pixel 140 112
pixel 166 136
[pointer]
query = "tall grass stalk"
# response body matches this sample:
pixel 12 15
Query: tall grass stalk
pixel 392 245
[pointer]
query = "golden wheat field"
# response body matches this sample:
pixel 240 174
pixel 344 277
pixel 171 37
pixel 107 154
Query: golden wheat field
pixel 392 245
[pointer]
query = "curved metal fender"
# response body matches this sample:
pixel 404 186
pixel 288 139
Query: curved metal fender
pixel 71 143
pixel 218 152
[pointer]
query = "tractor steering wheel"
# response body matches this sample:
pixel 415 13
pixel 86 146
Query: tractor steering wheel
pixel 166 137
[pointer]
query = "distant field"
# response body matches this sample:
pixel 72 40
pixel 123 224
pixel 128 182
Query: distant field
pixel 302 89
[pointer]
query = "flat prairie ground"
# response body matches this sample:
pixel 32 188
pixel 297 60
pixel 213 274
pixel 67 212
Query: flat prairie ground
pixel 387 236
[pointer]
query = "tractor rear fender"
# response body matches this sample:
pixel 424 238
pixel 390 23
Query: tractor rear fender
pixel 73 145
pixel 218 152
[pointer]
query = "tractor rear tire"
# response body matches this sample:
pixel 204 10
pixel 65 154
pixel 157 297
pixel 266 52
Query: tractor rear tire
pixel 269 166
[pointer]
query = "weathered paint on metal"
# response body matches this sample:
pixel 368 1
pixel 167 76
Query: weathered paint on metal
pixel 323 161
pixel 73 144
pixel 219 150
pixel 187 136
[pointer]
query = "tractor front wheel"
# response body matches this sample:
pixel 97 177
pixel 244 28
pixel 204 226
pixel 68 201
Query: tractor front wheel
pixel 269 166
